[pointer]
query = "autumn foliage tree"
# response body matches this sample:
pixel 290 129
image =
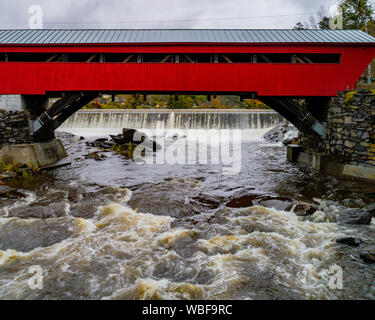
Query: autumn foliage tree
pixel 356 13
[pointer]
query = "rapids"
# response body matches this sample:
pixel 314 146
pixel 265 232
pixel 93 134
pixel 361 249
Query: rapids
pixel 114 229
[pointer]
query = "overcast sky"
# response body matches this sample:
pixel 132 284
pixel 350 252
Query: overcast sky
pixel 162 13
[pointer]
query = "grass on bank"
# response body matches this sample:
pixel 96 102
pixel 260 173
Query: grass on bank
pixel 10 169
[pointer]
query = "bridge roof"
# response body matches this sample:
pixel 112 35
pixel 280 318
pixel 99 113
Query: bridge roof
pixel 135 36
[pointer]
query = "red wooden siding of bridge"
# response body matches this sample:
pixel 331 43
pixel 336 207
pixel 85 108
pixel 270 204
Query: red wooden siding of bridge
pixel 266 79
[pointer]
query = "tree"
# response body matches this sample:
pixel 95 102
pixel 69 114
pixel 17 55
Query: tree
pixel 254 104
pixel 356 13
pixel 324 23
pixel 299 26
pixel 371 28
pixel 320 20
pixel 323 18
pixel 183 102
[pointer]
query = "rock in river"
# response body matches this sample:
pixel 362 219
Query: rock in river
pixel 282 133
pixel 136 137
pixel 355 216
pixel 368 257
pixel 9 193
pixel 371 210
pixel 352 242
pixel 242 202
pixel 304 209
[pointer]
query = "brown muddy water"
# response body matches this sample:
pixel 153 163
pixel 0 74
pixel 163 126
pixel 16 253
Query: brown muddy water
pixel 113 229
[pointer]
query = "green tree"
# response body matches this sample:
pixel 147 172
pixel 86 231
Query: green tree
pixel 356 13
pixel 299 26
pixel 183 102
pixel 371 28
pixel 324 23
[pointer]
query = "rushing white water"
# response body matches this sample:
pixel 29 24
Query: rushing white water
pixel 117 230
pixel 94 123
pixel 173 119
pixel 114 229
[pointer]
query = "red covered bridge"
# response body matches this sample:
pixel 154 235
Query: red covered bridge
pixel 274 65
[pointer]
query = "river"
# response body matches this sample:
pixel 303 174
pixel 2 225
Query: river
pixel 115 229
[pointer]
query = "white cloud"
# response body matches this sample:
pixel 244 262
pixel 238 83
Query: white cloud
pixel 162 13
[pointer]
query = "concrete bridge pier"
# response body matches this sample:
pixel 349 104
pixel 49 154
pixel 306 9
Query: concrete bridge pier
pixel 18 143
pixel 347 148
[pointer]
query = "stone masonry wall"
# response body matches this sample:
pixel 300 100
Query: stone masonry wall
pixel 14 127
pixel 11 102
pixel 350 129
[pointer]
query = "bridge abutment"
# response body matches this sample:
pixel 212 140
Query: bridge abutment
pixel 347 149
pixel 17 143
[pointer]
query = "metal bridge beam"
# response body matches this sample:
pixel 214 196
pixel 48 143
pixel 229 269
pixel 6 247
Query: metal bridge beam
pixel 45 125
pixel 294 113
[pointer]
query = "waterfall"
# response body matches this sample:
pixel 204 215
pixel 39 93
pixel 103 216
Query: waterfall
pixel 173 119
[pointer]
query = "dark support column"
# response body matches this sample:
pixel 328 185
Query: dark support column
pixel 318 107
pixel 35 105
pixel 294 113
pixel 45 125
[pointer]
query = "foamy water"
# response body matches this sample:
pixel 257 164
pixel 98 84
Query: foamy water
pixel 123 254
pixel 117 230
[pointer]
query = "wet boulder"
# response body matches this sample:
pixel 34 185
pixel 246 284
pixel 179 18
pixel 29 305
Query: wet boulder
pixel 282 133
pixel 9 193
pixel 368 257
pixel 290 137
pixel 96 156
pixel 304 209
pixel 204 201
pixel 135 137
pixel 119 139
pixel 53 210
pixel 350 241
pixel 102 143
pixel 242 202
pixel 277 203
pixel 371 210
pixel 276 135
pixel 355 217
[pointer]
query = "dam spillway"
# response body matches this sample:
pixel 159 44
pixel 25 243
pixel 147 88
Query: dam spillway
pixel 173 119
